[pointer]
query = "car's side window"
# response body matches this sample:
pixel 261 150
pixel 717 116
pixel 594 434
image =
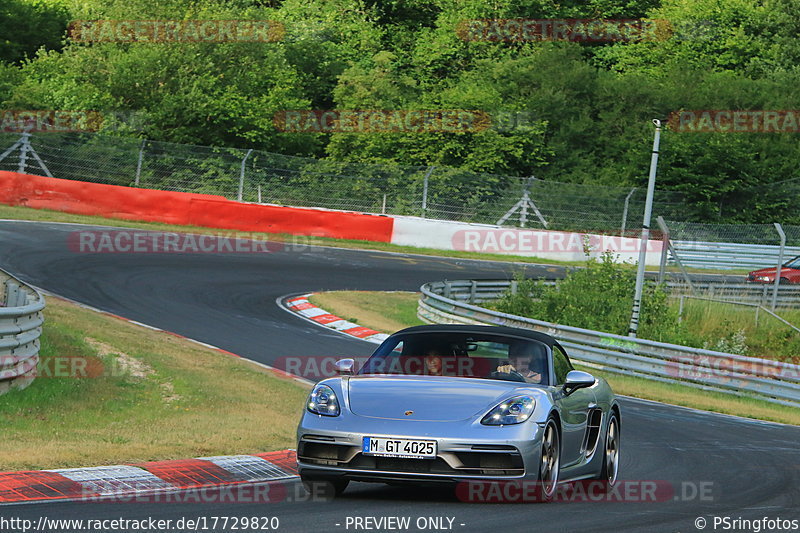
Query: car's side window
pixel 561 365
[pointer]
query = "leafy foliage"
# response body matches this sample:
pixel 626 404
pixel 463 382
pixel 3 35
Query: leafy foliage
pixel 597 297
pixel 589 104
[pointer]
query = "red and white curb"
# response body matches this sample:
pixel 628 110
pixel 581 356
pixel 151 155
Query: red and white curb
pixel 152 478
pixel 301 306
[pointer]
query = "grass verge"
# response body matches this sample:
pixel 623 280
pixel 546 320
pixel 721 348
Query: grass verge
pixel 156 396
pixel 46 215
pixel 399 310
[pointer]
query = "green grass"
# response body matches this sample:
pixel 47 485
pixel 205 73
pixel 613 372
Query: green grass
pixel 732 328
pixel 403 313
pixel 392 312
pixel 159 397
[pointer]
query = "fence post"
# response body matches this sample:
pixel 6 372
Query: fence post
pixel 779 229
pixel 241 175
pixel 425 191
pixel 23 152
pixel 139 163
pixel 662 266
pixel 625 212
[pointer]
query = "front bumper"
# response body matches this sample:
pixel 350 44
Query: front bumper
pixel 330 448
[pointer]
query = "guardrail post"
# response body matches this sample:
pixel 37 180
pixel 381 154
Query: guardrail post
pixel 472 290
pixel 12 293
pixel 22 298
pixel 447 288
pixel 779 229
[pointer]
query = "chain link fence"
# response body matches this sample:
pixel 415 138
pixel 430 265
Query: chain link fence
pixel 264 177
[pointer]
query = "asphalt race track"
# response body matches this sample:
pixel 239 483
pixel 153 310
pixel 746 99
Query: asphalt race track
pixel 712 465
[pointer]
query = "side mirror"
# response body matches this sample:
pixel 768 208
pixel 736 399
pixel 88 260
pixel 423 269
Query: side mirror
pixel 577 379
pixel 344 367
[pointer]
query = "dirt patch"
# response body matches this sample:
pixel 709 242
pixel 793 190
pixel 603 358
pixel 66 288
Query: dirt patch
pixel 127 365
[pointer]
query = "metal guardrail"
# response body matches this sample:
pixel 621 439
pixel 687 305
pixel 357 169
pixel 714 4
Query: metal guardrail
pixel 20 327
pixel 446 302
pixel 752 293
pixel 727 255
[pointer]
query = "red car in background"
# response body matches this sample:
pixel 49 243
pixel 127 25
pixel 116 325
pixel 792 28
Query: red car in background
pixel 790 273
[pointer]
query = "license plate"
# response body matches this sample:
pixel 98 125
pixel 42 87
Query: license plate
pixel 389 447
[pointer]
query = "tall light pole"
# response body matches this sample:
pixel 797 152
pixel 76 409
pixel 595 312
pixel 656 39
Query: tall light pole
pixel 648 212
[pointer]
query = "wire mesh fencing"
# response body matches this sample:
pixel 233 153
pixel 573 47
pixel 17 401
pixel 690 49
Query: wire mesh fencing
pixel 264 177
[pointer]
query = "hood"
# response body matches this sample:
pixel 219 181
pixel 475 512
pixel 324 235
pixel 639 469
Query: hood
pixel 766 272
pixel 771 271
pixel 430 398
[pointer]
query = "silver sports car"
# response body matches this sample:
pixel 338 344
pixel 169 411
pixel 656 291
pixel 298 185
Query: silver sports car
pixel 454 403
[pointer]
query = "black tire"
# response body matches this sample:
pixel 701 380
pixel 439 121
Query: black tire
pixel 550 462
pixel 609 473
pixel 784 281
pixel 325 489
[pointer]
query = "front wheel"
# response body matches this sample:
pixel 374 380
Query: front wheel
pixel 325 489
pixel 550 462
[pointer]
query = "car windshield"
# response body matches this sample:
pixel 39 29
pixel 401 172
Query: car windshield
pixel 462 354
pixel 794 263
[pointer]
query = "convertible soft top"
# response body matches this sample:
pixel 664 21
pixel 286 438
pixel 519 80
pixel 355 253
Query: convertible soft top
pixel 494 330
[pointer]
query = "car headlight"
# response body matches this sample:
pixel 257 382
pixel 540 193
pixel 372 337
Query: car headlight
pixel 762 278
pixel 323 401
pixel 515 410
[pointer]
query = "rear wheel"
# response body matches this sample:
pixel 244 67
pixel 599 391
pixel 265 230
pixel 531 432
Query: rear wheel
pixel 610 470
pixel 326 489
pixel 550 461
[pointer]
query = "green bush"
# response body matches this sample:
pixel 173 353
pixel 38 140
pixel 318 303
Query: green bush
pixel 597 297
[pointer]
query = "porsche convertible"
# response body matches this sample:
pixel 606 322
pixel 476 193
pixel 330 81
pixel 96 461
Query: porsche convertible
pixel 455 403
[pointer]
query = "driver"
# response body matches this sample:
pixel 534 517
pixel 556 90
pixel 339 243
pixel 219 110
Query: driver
pixel 520 362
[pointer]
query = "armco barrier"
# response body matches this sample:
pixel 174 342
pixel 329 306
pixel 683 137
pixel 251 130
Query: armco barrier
pixel 726 255
pixel 188 209
pixel 445 302
pixel 475 292
pixel 20 327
